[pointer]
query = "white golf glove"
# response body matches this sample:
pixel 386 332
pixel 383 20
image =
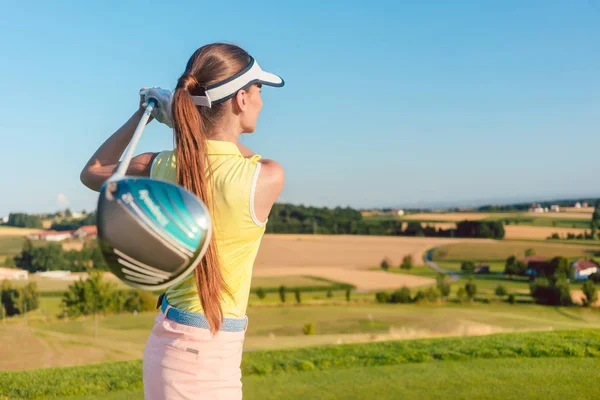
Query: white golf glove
pixel 163 97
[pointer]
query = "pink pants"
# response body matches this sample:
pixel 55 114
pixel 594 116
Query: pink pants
pixel 184 362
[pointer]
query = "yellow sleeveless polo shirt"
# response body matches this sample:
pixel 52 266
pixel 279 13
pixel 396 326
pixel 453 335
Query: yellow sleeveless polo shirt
pixel 237 231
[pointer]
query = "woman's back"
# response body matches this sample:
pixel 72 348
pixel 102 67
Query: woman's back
pixel 237 230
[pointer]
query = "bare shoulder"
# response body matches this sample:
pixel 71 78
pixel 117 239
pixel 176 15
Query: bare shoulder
pixel 268 188
pixel 271 171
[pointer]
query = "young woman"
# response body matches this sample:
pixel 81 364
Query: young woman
pixel 194 350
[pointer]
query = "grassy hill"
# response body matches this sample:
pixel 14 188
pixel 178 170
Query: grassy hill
pixel 432 368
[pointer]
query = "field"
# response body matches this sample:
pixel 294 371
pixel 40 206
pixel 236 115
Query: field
pixel 343 258
pixel 13 231
pixel 500 250
pixel 430 367
pixel 122 337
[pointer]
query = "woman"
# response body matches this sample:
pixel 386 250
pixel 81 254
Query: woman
pixel 194 350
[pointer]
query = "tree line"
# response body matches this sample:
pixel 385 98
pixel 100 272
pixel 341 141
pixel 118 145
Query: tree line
pixel 288 218
pixel 52 257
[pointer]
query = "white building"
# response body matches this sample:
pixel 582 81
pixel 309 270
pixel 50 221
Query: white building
pixel 51 236
pixel 555 208
pixel 4 220
pixel 536 208
pixel 400 213
pixel 578 205
pixel 12 273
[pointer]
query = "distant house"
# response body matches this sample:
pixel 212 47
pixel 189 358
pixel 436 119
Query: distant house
pixel 4 220
pixel 555 208
pixel 400 213
pixel 482 269
pixel 536 208
pixel 86 232
pixel 536 265
pixel 14 274
pixel 584 268
pixel 50 236
pixel 578 205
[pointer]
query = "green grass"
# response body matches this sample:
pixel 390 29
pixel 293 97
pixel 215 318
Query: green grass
pixel 528 220
pixel 11 245
pixel 511 379
pixel 288 281
pixel 500 250
pixel 342 369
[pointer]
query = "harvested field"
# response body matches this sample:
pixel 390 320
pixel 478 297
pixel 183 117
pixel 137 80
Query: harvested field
pixel 451 216
pixel 14 231
pixel 344 258
pixel 561 215
pixel 588 210
pixel 538 232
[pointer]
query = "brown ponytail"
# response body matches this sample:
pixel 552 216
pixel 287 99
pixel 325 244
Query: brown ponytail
pixel 192 126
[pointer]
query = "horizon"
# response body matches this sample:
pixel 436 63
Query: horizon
pixel 385 105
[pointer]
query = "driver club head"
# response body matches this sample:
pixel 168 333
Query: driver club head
pixel 152 233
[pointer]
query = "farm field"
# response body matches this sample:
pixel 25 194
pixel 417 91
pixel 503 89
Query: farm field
pixel 14 231
pixel 343 258
pixel 500 250
pixel 122 337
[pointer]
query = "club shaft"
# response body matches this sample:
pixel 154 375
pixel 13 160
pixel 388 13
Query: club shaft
pixel 122 170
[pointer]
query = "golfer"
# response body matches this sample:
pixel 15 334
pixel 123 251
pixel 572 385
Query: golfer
pixel 194 350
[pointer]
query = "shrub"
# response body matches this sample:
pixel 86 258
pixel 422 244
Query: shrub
pixel 282 293
pixel 530 252
pixel 329 293
pixel 443 286
pixel 382 297
pixel 590 293
pixel 595 277
pixel 260 292
pixel 407 262
pixel 461 293
pixel 348 291
pixel 471 289
pixel 309 329
pixel 467 267
pixel 385 264
pixel 512 299
pixel 432 294
pixel 551 292
pixel 500 291
pixel 420 296
pixel 298 298
pixel 401 296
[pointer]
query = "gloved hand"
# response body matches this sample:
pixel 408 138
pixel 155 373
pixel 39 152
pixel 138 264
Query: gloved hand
pixel 163 97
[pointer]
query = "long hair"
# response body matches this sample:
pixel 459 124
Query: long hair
pixel 192 125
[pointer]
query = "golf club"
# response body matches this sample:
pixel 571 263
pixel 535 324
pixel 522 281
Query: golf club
pixel 152 233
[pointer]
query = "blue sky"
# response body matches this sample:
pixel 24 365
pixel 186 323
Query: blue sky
pixel 385 103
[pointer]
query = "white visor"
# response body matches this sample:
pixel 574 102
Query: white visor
pixel 223 91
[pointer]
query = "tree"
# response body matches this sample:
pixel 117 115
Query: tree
pixel 561 268
pixel 348 291
pixel 511 268
pixel 461 293
pixel 512 299
pixel 443 286
pixel 90 296
pixel 401 296
pixel 282 293
pixel 28 297
pixel 468 267
pixel 298 298
pixel 382 297
pixel 329 293
pixel 595 277
pixel 595 219
pixel 47 258
pixel 385 264
pixel 530 252
pixel 471 289
pixel 9 297
pixel 432 294
pixel 23 260
pixel 407 262
pixel 500 291
pixel 260 292
pixel 590 292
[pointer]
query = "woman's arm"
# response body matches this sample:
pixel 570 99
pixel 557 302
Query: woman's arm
pixel 105 160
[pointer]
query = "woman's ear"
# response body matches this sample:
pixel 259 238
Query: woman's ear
pixel 240 100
